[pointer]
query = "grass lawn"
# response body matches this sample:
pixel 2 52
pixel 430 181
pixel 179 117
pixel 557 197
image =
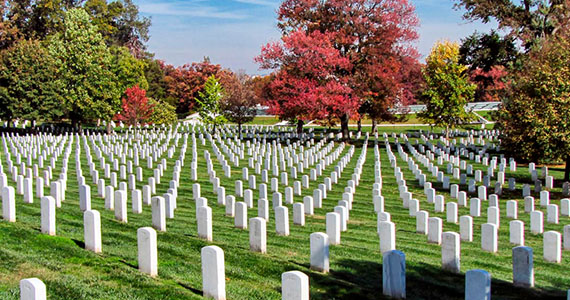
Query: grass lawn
pixel 489 115
pixel 264 120
pixel 70 272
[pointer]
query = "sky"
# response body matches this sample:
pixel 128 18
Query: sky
pixel 231 32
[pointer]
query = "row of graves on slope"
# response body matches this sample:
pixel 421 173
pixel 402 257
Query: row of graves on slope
pixel 477 281
pixel 119 160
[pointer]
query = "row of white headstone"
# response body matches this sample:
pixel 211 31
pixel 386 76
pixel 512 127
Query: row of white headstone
pixel 433 226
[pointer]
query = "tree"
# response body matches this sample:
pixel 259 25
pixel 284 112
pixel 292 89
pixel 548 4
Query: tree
pixel 10 33
pixel 534 119
pixel 185 82
pixel 29 87
pixel 118 21
pixel 491 85
pixel 307 86
pixel 128 70
pixel 157 85
pixel 136 107
pixel 529 21
pixel 370 34
pixel 448 89
pixel 489 57
pixel 209 103
pixel 239 104
pixel 486 50
pixel 163 113
pixel 37 19
pixel 83 63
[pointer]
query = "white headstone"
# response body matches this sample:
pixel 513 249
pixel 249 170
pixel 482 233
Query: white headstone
pixel 204 214
pixel 241 219
pixel 32 289
pixel 333 227
pixel 394 274
pixel 92 230
pixel 158 213
pixel 477 285
pixel 435 226
pixel 523 267
pixel 450 252
pixel 422 222
pixel 387 236
pixel 294 286
pixel 319 252
pixel 536 222
pixel 147 251
pixel 552 247
pixel 299 214
pixel 466 228
pixel 258 235
pixel 213 273
pixel 489 237
pixel 282 220
pixel 121 206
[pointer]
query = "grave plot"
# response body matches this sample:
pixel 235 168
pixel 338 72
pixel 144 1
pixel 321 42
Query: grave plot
pixel 178 213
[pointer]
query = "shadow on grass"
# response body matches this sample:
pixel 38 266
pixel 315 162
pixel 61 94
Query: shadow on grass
pixel 129 264
pixel 358 279
pixel 193 290
pixel 79 243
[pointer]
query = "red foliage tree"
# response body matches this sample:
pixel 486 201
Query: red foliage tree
pixel 368 40
pixel 310 83
pixel 491 85
pixel 185 82
pixel 136 108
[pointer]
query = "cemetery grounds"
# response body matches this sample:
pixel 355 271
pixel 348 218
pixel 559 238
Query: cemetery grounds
pixel 71 272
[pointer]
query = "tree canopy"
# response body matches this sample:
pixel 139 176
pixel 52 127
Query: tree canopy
pixel 448 89
pixel 83 63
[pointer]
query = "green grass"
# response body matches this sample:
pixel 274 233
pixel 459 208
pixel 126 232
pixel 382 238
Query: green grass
pixel 264 120
pixel 489 115
pixel 70 272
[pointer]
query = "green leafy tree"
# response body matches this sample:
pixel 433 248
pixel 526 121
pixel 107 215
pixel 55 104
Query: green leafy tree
pixel 128 70
pixel 163 113
pixel 29 87
pixel 90 90
pixel 527 20
pixel 208 100
pixel 486 50
pixel 36 19
pixel 157 83
pixel 447 89
pixel 535 119
pixel 120 24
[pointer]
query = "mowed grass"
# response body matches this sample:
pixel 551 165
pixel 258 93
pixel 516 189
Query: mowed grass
pixel 70 272
pixel 489 115
pixel 264 120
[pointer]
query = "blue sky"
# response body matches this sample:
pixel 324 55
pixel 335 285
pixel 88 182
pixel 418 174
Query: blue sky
pixel 231 32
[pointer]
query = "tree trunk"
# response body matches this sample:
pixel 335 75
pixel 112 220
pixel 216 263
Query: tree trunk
pixel 300 124
pixel 374 129
pixel 567 169
pixel 344 126
pixel 109 129
pixel 74 124
pixel 214 130
pixel 446 132
pixel 359 124
pixel 239 130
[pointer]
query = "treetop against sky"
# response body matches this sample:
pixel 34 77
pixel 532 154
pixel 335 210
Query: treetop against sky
pixel 231 32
